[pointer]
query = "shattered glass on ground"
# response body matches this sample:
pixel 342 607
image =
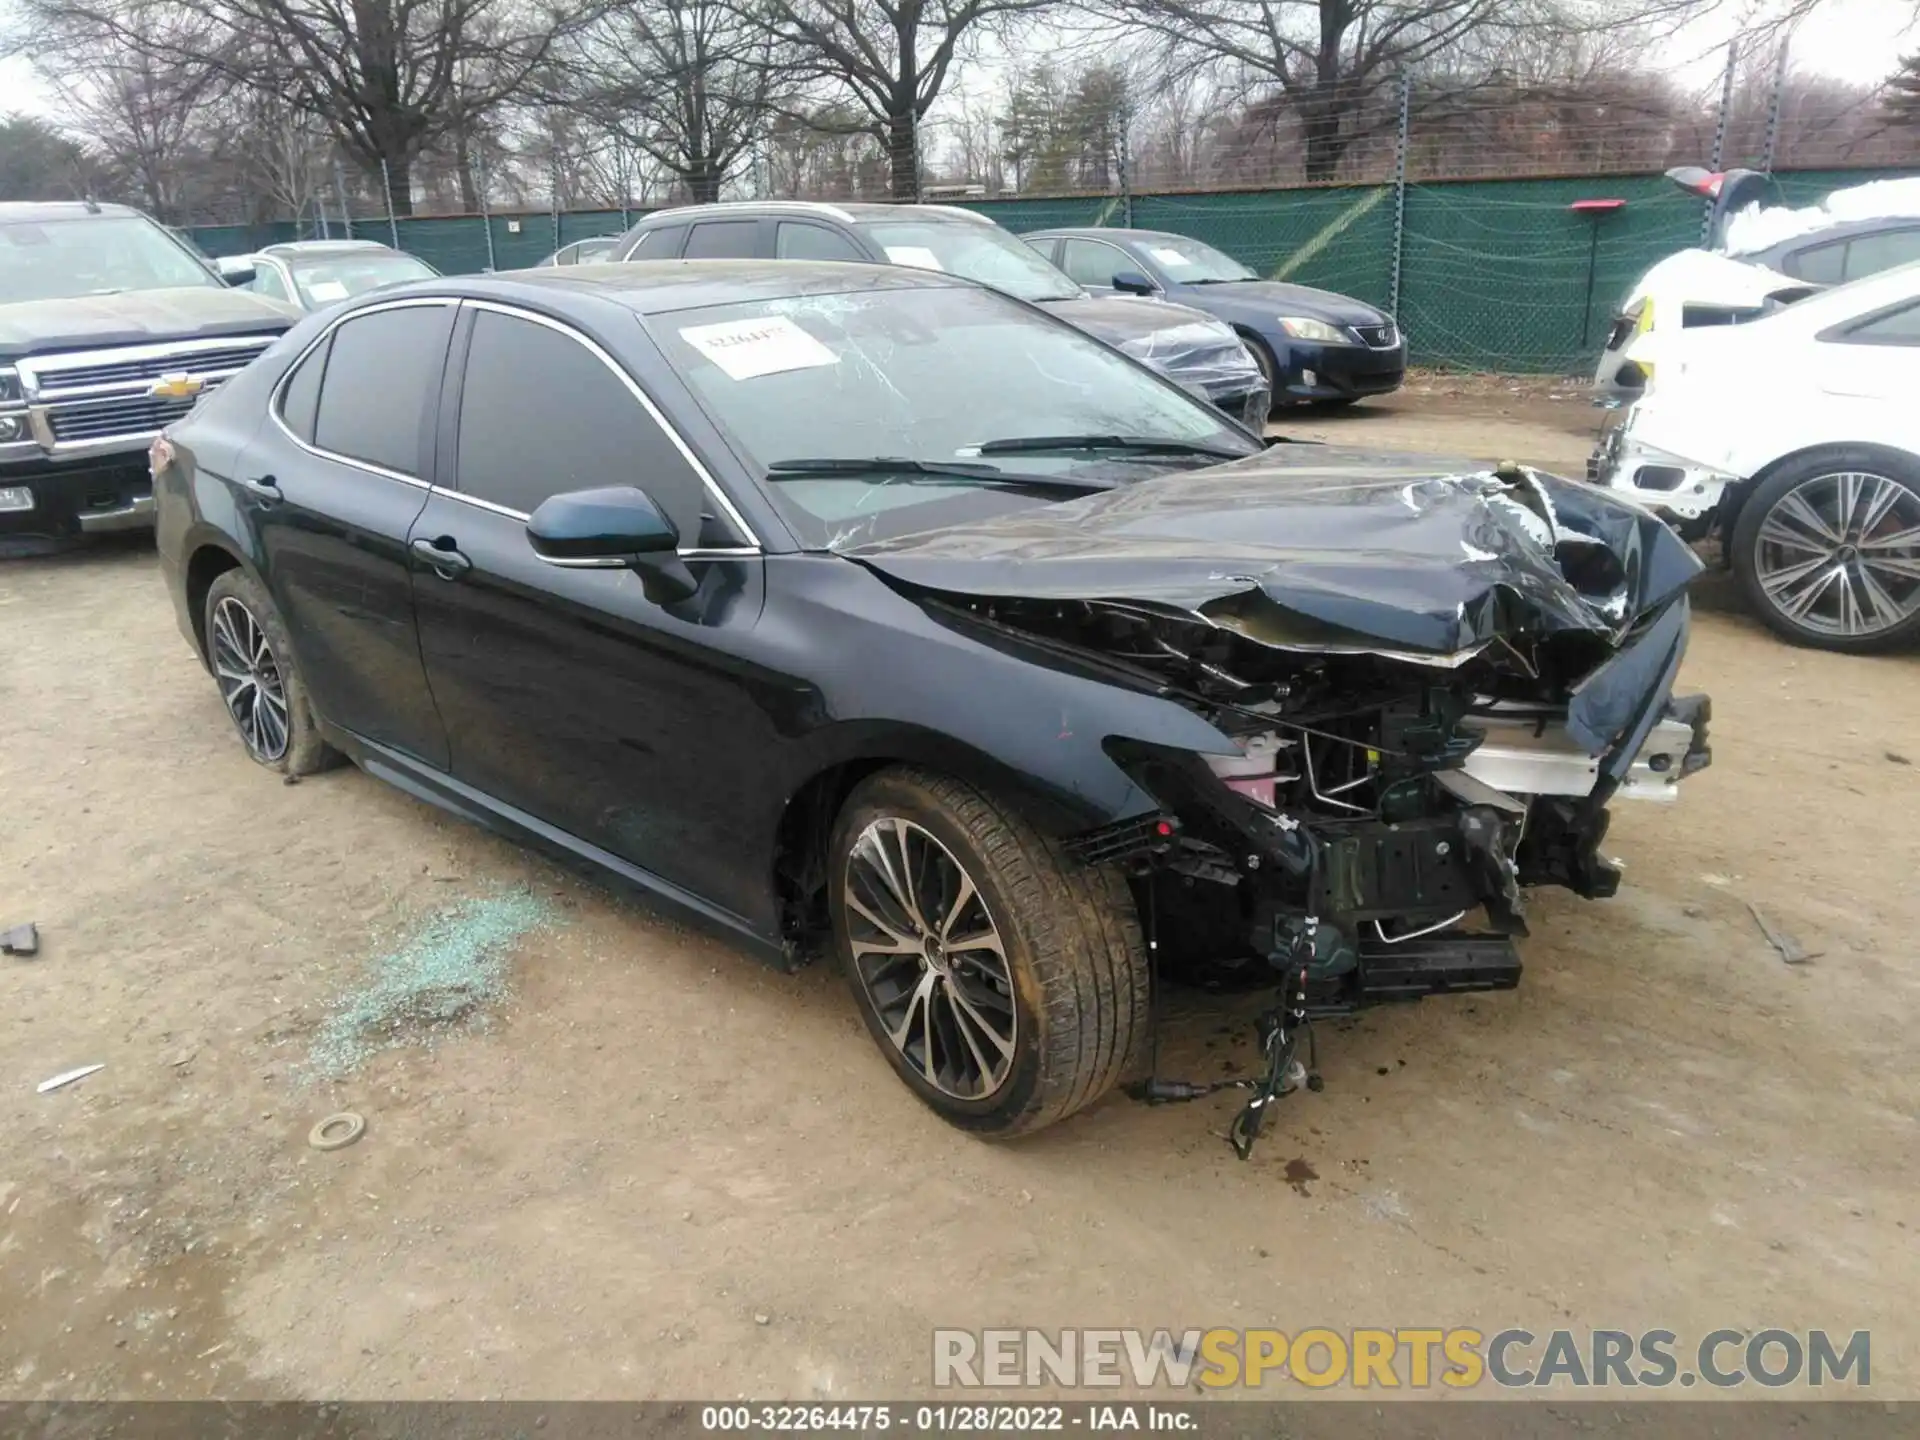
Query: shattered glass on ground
pixel 444 978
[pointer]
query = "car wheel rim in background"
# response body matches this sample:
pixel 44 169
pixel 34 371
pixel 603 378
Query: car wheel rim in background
pixel 1839 554
pixel 930 959
pixel 250 680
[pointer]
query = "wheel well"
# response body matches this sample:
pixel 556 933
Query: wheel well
pixel 800 844
pixel 208 564
pixel 1728 511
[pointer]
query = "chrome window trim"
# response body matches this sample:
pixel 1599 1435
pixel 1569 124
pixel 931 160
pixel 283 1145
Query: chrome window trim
pixel 277 398
pixel 593 347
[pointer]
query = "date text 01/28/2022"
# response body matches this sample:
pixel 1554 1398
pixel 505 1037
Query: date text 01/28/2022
pixel 947 1419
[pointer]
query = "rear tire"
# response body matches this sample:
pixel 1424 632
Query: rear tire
pixel 1043 1013
pixel 260 685
pixel 1810 550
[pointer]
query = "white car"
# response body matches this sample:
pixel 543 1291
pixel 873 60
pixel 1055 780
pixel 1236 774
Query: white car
pixel 1757 258
pixel 314 274
pixel 1796 438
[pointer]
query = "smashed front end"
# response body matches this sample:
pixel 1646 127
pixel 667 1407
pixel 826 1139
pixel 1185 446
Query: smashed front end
pixel 1428 689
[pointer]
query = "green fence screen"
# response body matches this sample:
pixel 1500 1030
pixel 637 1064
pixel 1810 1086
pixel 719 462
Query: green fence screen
pixel 1493 274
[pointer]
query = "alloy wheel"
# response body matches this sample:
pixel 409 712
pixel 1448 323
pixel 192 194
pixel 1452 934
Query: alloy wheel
pixel 250 680
pixel 1839 554
pixel 930 958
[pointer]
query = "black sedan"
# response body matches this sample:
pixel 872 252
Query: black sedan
pixel 867 609
pixel 1312 345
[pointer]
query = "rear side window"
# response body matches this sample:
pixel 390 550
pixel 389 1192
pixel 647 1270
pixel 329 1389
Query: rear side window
pixel 1870 254
pixel 1821 264
pixel 1894 327
pixel 661 244
pixel 540 414
pixel 301 399
pixel 722 240
pixel 801 241
pixel 382 369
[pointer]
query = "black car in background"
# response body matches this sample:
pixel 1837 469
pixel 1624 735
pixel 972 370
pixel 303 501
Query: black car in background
pixel 829 604
pixel 1312 345
pixel 1185 345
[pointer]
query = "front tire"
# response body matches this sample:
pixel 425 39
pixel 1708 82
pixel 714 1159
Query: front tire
pixel 1005 982
pixel 1827 550
pixel 252 663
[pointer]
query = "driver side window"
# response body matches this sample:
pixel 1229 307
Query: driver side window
pixel 1092 263
pixel 266 280
pixel 541 414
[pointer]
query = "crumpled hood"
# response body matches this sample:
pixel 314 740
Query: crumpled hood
pixel 137 317
pixel 1314 548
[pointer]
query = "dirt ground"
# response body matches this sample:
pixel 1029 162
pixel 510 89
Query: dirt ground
pixel 658 1169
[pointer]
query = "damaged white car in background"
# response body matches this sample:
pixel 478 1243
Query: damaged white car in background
pixel 1795 439
pixel 1756 256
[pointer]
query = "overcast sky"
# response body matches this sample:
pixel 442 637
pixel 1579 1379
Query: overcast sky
pixel 1851 39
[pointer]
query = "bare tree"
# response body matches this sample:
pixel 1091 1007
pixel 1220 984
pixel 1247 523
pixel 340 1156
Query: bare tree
pixel 37 162
pixel 387 77
pixel 889 59
pixel 1331 65
pixel 684 82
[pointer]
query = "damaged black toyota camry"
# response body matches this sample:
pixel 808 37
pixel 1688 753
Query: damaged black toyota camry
pixel 868 611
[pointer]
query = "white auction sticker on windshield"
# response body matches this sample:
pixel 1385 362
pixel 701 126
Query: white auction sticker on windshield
pixel 746 348
pixel 1170 257
pixel 918 256
pixel 327 290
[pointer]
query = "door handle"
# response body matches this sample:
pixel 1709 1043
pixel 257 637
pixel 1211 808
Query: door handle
pixel 266 487
pixel 442 555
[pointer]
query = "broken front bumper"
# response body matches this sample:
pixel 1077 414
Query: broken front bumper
pixel 1678 489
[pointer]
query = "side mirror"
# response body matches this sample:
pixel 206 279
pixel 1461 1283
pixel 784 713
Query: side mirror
pixel 1132 282
pixel 610 528
pixel 235 270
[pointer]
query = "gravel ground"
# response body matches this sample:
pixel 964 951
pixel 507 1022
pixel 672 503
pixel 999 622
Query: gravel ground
pixel 606 1157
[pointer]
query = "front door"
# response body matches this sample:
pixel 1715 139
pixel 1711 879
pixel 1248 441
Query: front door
pixel 567 693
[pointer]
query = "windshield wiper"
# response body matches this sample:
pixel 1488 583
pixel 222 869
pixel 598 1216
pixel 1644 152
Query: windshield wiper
pixel 950 471
pixel 1138 444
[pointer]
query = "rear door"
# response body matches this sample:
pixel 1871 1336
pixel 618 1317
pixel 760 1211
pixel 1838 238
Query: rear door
pixel 567 694
pixel 331 490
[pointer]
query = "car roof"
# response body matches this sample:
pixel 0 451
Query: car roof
pixel 851 212
pixel 651 287
pixel 296 248
pixel 61 210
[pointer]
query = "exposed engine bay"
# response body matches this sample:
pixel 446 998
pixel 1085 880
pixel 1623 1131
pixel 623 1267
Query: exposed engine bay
pixel 1395 775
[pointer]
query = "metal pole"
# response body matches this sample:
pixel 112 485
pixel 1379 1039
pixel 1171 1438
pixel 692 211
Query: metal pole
pixel 553 190
pixel 1400 191
pixel 1720 138
pixel 1773 104
pixel 1123 158
pixel 486 212
pixel 386 188
pixel 340 189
